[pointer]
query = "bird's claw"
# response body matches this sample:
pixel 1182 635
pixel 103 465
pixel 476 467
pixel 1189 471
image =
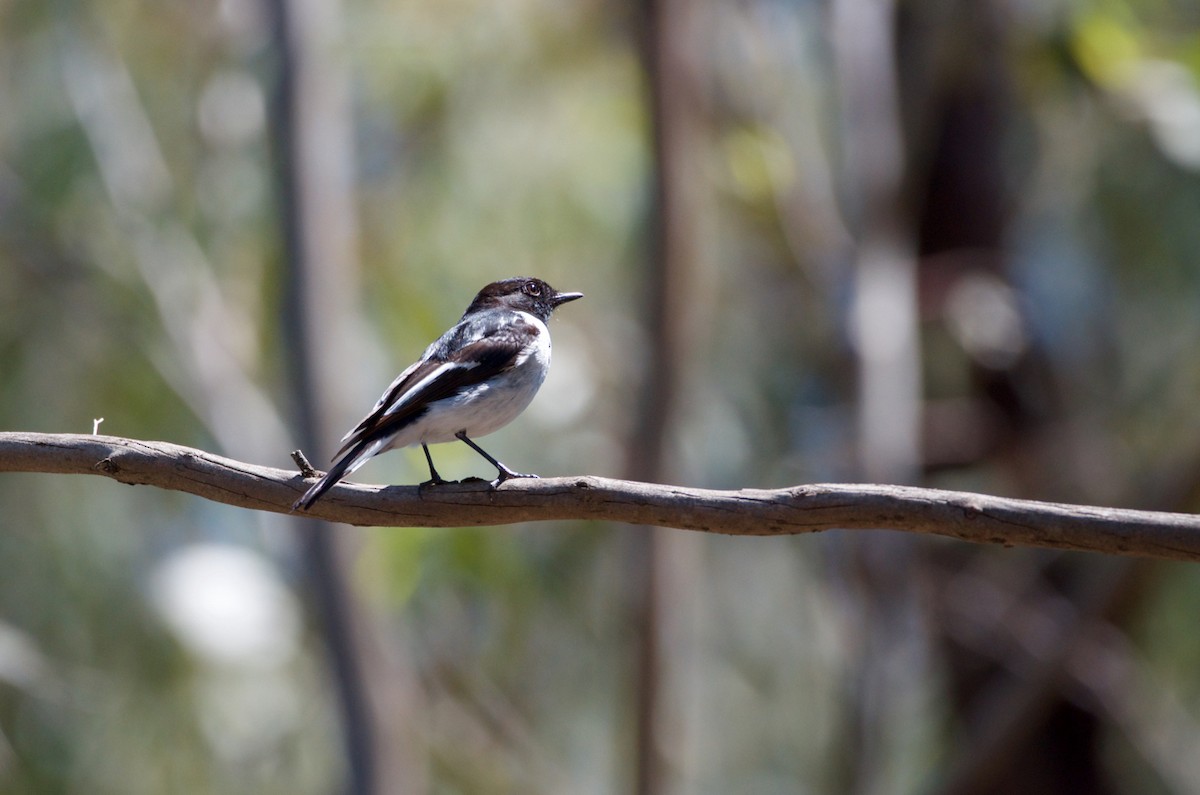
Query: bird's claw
pixel 507 474
pixel 438 481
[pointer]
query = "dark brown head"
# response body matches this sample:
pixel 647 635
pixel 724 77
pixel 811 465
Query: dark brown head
pixel 524 294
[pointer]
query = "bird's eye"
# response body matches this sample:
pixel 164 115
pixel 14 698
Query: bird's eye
pixel 533 288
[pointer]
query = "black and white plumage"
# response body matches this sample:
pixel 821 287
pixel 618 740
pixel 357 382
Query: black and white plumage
pixel 475 379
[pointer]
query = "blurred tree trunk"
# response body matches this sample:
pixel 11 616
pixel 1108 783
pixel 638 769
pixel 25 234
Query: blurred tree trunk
pixel 664 561
pixel 311 127
pixel 1024 731
pixel 883 314
pixel 882 321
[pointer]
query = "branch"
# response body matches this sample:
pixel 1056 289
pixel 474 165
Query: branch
pixel 765 512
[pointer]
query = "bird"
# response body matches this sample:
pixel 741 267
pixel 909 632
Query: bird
pixel 473 380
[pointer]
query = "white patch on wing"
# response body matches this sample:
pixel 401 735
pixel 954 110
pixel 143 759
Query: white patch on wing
pixel 415 390
pixel 395 382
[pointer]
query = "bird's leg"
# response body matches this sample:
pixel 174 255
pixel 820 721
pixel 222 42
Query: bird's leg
pixel 505 472
pixel 434 478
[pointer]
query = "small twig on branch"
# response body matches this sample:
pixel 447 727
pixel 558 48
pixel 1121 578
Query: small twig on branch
pixel 799 509
pixel 306 469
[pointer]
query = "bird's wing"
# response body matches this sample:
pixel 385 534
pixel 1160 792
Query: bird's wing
pixel 468 354
pixel 394 389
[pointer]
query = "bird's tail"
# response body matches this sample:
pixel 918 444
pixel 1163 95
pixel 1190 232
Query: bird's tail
pixel 355 457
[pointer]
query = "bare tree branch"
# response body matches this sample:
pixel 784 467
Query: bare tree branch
pixel 977 518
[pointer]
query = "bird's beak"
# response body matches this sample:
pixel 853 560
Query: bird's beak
pixel 562 298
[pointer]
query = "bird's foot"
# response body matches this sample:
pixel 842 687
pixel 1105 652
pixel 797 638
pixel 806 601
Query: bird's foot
pixel 508 474
pixel 436 481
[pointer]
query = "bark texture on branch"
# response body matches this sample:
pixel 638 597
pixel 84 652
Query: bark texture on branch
pixel 799 509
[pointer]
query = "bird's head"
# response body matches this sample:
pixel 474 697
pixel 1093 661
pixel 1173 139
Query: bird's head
pixel 524 294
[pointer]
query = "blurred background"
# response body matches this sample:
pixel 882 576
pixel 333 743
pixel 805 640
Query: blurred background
pixel 946 243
